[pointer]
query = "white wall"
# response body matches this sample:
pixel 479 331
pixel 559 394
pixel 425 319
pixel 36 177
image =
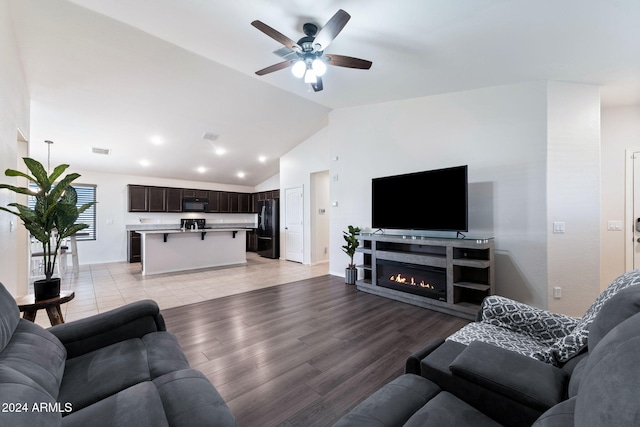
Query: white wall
pixel 320 217
pixel 500 132
pixel 112 216
pixel 14 115
pixel 272 183
pixel 573 195
pixel 620 131
pixel 296 167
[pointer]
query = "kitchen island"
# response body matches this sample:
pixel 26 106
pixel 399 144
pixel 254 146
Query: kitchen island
pixel 170 250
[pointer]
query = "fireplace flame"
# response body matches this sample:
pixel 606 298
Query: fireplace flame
pixel 398 278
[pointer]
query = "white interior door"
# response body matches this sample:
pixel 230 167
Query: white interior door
pixel 293 225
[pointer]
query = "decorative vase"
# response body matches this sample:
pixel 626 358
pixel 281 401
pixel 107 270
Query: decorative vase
pixel 46 289
pixel 350 276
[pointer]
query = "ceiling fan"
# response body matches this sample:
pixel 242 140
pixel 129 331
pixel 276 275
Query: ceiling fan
pixel 306 57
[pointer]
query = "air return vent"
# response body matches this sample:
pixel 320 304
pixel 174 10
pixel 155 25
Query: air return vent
pixel 104 151
pixel 210 136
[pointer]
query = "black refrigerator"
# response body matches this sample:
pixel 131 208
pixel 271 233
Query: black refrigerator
pixel 268 229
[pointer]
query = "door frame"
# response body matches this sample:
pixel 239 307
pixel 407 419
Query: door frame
pixel 628 209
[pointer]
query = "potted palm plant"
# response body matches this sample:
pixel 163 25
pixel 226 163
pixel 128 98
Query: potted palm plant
pixel 52 219
pixel 352 243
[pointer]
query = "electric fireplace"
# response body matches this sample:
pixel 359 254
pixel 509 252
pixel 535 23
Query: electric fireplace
pixel 430 282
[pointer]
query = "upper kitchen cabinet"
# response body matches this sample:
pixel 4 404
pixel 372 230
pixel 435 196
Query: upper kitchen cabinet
pixel 214 201
pixel 157 199
pixel 138 198
pixel 233 202
pixel 174 199
pixel 244 202
pixel 225 203
pixel 200 194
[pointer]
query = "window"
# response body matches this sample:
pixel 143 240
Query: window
pixel 86 194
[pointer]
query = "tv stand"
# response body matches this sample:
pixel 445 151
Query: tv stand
pixel 468 263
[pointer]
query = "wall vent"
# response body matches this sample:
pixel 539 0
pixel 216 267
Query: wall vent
pixel 210 136
pixel 104 151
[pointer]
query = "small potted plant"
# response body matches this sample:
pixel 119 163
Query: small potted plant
pixel 352 243
pixel 51 220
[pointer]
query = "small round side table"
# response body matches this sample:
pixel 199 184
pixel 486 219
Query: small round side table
pixel 30 306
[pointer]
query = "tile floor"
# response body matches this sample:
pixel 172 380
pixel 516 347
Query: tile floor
pixel 102 287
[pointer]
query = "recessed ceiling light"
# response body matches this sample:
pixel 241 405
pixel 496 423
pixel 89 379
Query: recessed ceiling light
pixel 144 162
pixel 262 159
pixel 156 140
pixel 241 174
pixel 220 151
pixel 201 169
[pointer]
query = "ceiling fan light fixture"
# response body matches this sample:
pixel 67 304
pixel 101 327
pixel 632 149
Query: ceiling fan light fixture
pixel 299 69
pixel 310 77
pixel 319 67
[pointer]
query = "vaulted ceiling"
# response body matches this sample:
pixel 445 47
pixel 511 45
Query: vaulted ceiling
pixel 147 79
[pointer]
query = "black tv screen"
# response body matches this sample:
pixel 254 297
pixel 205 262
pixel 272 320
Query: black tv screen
pixel 429 200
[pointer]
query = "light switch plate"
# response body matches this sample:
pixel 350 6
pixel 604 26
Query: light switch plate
pixel 558 228
pixel 614 225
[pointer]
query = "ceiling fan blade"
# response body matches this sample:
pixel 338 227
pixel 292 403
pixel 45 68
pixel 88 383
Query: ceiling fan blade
pixel 331 30
pixel 317 86
pixel 348 61
pixel 274 67
pixel 276 35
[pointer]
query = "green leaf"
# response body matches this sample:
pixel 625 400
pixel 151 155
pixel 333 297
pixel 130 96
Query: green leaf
pixel 73 230
pixel 70 196
pixel 62 186
pixel 66 216
pixel 13 172
pixel 39 173
pixel 20 190
pixel 57 171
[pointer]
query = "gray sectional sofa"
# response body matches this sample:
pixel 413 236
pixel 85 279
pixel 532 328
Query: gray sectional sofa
pixel 120 368
pixel 480 384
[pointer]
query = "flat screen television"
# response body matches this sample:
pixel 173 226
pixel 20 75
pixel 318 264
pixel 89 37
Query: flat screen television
pixel 429 200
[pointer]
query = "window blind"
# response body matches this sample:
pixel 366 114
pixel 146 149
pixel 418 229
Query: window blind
pixel 86 194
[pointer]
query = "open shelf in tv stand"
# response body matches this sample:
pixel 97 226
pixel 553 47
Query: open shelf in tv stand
pixel 469 265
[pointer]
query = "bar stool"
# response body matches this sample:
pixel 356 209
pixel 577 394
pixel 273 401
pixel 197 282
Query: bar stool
pixel 71 248
pixel 36 256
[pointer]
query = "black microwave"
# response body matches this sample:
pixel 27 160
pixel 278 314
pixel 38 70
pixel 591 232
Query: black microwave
pixel 194 204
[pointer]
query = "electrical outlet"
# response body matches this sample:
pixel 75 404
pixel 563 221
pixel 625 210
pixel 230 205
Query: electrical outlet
pixel 557 292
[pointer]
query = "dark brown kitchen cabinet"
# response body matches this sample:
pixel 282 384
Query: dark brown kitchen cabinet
pixel 254 203
pixel 174 199
pixel 225 205
pixel 157 199
pixel 252 241
pixel 200 194
pixel 233 202
pixel 243 202
pixel 138 198
pixel 134 246
pixel 214 201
